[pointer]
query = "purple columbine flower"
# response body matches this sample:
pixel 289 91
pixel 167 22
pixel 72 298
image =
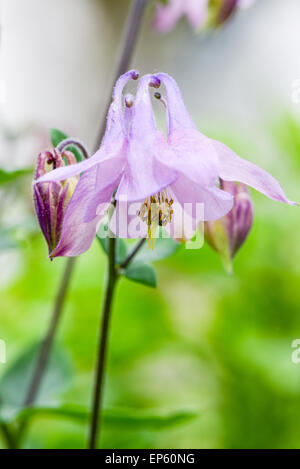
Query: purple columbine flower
pixel 227 234
pixel 196 11
pixel 137 164
pixel 166 16
pixel 136 159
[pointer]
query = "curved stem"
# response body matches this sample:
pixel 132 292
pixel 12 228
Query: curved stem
pixel 73 141
pixel 135 250
pixel 132 28
pixel 44 354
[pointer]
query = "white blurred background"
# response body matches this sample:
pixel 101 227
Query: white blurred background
pixel 57 59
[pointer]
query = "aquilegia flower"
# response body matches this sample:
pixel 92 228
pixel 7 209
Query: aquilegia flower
pixel 137 165
pixel 197 12
pixel 167 16
pixel 227 234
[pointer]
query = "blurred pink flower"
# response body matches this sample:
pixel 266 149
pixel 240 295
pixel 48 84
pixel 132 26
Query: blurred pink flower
pixel 167 16
pixel 196 11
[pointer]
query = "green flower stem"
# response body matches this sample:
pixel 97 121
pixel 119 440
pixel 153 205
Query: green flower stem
pixel 132 28
pixel 102 345
pixel 112 277
pixel 9 437
pixel 135 250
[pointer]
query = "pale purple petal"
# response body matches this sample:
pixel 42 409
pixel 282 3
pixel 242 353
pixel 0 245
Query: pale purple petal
pixel 192 155
pixel 196 12
pixel 103 194
pixel 77 236
pixel 215 201
pixel 106 152
pixel 115 121
pixel 144 173
pixel 167 16
pixel 143 123
pixel 178 116
pixel 125 222
pixel 234 168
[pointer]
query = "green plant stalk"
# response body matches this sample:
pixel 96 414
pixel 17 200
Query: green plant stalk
pixel 102 345
pixel 111 282
pixel 9 437
pixel 131 32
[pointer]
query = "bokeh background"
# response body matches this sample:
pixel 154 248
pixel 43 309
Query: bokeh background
pixel 204 360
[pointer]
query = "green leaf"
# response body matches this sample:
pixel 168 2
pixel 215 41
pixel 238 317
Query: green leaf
pixel 10 176
pixel 10 414
pixel 57 136
pixel 15 381
pixel 141 273
pixel 116 417
pixel 147 420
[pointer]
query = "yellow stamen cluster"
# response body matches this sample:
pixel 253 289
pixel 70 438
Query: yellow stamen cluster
pixel 156 211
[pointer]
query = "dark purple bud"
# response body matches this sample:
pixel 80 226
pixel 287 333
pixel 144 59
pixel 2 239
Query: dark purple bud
pixel 225 10
pixel 155 82
pixel 51 198
pixel 134 75
pixel 227 234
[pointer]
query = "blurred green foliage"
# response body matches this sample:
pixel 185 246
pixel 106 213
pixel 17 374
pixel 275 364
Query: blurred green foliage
pixel 203 361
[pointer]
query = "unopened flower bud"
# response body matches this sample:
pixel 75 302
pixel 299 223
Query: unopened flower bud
pixel 227 234
pixel 225 10
pixel 51 198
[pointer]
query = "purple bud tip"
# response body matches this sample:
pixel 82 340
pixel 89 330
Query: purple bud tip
pixel 155 82
pixel 135 74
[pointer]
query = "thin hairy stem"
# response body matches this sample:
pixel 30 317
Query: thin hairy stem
pixel 133 253
pixel 73 142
